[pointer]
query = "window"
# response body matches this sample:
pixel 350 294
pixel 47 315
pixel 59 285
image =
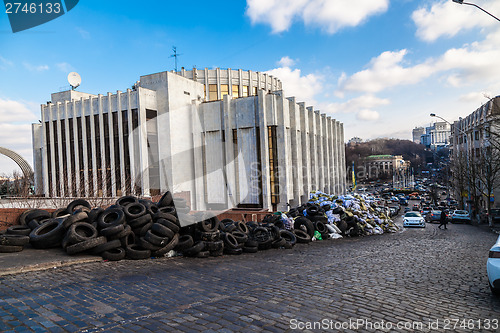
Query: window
pixel 255 91
pixel 273 166
pixel 244 93
pixel 236 91
pixel 212 92
pixel 224 90
pixel 476 135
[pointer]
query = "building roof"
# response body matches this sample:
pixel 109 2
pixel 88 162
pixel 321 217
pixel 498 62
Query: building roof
pixel 380 156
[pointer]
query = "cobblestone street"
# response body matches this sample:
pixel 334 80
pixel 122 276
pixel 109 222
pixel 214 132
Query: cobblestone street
pixel 419 278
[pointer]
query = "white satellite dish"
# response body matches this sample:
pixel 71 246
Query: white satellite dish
pixel 74 80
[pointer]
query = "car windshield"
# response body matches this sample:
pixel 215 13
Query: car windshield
pixel 460 212
pixel 436 212
pixel 413 214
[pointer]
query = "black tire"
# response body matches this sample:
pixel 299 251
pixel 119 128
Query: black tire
pixel 37 214
pixel 109 245
pixel 230 227
pixel 320 227
pixel 233 251
pixel 214 246
pixel 33 224
pixel 280 242
pixel 289 237
pixel 126 200
pixel 73 205
pixel 74 218
pixel 135 252
pixel 230 241
pixel 10 248
pixel 141 232
pixel 112 230
pixel 312 210
pixel 22 217
pixel 147 245
pixel 209 225
pixel 302 236
pixel 94 214
pixel 14 240
pixel 134 210
pixel 115 254
pixel 86 245
pixel 126 231
pixel 494 291
pixel 304 224
pixel 240 236
pixel 110 217
pixel 156 239
pixel 185 242
pixel 48 234
pixel 251 243
pixel 81 231
pixel 162 230
pixel 167 248
pixel 128 240
pixel 140 221
pixel 212 236
pixel 195 249
pixel 18 230
pixel 166 200
pixel 242 226
pixel 203 254
pixel 248 249
pixel 59 213
pixel 217 253
pixel 169 224
pixel 168 210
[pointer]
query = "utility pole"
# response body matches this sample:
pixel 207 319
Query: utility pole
pixel 175 55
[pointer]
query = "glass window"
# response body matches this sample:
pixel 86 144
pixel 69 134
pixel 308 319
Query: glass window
pixel 244 93
pixel 236 91
pixel 224 90
pixel 212 92
pixel 255 91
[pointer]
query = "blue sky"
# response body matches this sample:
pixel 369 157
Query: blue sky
pixel 378 66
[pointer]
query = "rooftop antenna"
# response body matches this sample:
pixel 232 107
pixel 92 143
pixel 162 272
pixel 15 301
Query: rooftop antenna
pixel 74 80
pixel 175 55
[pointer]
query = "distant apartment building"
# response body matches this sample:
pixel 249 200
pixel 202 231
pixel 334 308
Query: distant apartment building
pixel 474 150
pixel 417 133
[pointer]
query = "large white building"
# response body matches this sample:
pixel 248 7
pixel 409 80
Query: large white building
pixel 225 138
pixel 436 136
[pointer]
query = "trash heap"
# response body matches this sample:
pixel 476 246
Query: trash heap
pixel 136 228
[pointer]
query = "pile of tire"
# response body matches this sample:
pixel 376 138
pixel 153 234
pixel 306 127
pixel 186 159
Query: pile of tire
pixel 311 217
pixel 16 237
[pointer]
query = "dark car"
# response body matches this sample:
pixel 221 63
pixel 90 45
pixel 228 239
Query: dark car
pixel 403 201
pixel 433 216
pixel 495 215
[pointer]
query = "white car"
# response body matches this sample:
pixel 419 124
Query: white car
pixel 493 268
pixel 460 216
pixel 413 219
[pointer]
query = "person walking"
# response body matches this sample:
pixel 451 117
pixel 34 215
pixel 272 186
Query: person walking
pixel 442 220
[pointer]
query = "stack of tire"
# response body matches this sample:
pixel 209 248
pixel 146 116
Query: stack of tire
pixel 316 215
pixel 201 240
pixel 14 239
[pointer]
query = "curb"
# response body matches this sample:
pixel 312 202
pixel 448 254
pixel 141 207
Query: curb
pixel 47 265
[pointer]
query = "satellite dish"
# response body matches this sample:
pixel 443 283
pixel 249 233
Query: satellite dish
pixel 74 80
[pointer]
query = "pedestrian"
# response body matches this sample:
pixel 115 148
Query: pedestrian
pixel 442 220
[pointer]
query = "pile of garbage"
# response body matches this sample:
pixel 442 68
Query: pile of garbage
pixel 136 228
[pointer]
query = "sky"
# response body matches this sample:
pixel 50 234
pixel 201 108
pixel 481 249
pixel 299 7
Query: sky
pixel 378 66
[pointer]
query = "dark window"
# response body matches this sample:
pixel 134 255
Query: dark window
pixel 72 156
pixel 64 165
pixel 273 166
pixel 153 153
pixel 56 155
pixel 81 153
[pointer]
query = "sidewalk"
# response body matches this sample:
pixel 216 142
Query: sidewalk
pixel 486 227
pixel 30 260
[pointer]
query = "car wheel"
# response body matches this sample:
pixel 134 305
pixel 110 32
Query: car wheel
pixel 494 291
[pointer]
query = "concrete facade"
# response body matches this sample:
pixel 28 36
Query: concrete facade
pixel 245 150
pixel 436 136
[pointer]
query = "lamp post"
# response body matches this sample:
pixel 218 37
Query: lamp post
pixel 461 2
pixel 466 150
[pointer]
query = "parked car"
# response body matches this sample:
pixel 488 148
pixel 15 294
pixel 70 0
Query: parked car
pixel 495 215
pixel 426 210
pixel 403 201
pixel 433 216
pixel 460 216
pixel 493 268
pixel 413 219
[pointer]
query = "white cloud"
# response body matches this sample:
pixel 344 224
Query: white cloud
pixel 5 63
pixel 368 115
pixel 295 84
pixel 34 68
pixel 479 97
pixel 446 18
pixel 286 62
pixel 329 15
pixel 64 67
pixel 385 71
pixel 14 111
pixel 83 33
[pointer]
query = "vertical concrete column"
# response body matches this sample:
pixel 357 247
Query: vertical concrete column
pixel 120 141
pixel 230 166
pixel 335 157
pixel 70 178
pixel 321 148
pixel 197 127
pixel 95 149
pixel 306 151
pixel 296 151
pixel 111 146
pixel 250 83
pixel 76 147
pixel 45 144
pixel 131 142
pixel 53 148
pixel 207 87
pixel 101 149
pixel 264 149
pixel 326 127
pixel 143 162
pixel 219 93
pixel 313 148
pixel 283 157
pixel 86 175
pixel 342 159
pixel 61 176
pixel 332 156
pixel 338 161
pixel 230 82
pixel 240 83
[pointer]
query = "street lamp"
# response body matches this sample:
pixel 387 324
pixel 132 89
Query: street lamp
pixel 461 2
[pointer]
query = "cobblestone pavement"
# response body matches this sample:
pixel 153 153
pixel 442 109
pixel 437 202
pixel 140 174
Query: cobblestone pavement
pixel 417 277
